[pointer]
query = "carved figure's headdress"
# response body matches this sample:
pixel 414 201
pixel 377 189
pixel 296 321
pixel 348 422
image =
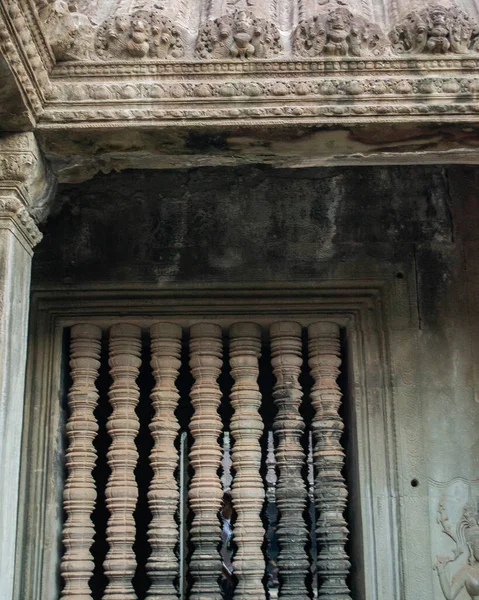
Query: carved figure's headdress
pixel 469 523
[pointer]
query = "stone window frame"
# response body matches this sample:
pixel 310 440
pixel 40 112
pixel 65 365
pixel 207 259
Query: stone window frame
pixel 358 306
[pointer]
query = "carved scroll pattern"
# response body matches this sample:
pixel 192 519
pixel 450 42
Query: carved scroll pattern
pixel 79 495
pixel 291 493
pixel 248 488
pixel 330 488
pixel 163 495
pixel 122 489
pixel 205 492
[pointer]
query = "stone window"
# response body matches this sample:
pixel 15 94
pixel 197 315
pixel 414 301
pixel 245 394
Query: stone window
pixel 201 453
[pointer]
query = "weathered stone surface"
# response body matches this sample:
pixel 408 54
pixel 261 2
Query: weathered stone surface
pixel 411 227
pixel 239 224
pixel 77 157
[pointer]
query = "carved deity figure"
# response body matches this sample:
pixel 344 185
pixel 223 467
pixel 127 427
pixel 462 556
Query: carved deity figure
pixel 141 35
pixel 338 32
pixel 466 539
pixel 239 35
pixel 435 30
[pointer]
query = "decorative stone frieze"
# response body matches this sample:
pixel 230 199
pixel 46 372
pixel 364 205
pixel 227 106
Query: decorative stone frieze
pixel 240 35
pixel 138 36
pixel 338 33
pixel 436 30
pixel 135 62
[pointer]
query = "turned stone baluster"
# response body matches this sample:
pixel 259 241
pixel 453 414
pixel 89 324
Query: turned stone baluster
pixel 122 489
pixel 330 488
pixel 163 495
pixel 248 488
pixel 79 495
pixel 205 492
pixel 291 493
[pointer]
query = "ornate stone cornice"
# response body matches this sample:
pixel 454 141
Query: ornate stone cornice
pixel 26 184
pixel 336 65
pixel 24 47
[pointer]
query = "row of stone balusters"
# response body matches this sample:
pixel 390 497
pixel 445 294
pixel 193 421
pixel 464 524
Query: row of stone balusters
pixel 205 493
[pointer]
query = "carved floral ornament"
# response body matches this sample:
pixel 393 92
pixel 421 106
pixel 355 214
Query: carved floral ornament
pixel 241 35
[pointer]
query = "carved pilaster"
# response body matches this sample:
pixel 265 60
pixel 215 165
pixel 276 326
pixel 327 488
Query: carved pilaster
pixel 23 184
pixel 79 495
pixel 163 495
pixel 330 488
pixel 205 492
pixel 291 493
pixel 122 489
pixel 248 488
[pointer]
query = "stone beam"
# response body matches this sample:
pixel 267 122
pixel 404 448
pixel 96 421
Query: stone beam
pixel 24 184
pixel 82 154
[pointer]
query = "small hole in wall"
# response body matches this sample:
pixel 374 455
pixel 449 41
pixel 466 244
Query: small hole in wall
pixel 399 275
pixel 414 483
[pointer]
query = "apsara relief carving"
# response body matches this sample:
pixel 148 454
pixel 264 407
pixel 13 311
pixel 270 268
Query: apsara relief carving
pixel 465 577
pixel 436 30
pixel 239 35
pixel 140 35
pixel 338 32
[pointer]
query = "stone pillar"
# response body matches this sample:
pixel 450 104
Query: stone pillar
pixel 23 185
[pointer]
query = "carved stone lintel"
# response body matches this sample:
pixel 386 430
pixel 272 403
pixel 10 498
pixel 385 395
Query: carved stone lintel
pixel 338 32
pixel 144 34
pixel 436 30
pixel 239 35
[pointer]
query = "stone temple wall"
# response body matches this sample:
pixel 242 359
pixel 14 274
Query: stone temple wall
pixel 413 227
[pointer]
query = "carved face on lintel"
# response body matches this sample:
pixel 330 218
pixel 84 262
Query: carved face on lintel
pixel 143 34
pixel 338 32
pixel 240 35
pixel 435 30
